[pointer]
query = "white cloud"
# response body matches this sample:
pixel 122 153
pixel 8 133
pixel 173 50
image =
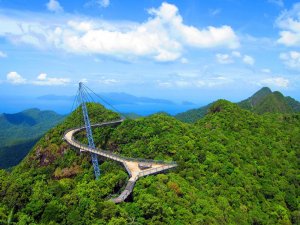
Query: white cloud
pixel 275 81
pixel 104 3
pixel 224 58
pixel 291 59
pixel 83 80
pixel 44 80
pixel 230 58
pixel 54 6
pixel 42 76
pixel 15 78
pixel 164 84
pixel 277 2
pixel 108 81
pixel 182 83
pixel 194 82
pixel 289 23
pixel 3 55
pixel 162 37
pixel 248 60
pixel 212 82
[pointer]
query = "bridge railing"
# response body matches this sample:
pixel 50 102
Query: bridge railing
pixel 117 156
pixel 110 154
pixel 154 170
pixel 129 187
pixel 127 169
pixel 107 123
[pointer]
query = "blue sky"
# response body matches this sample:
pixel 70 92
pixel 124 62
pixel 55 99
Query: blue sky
pixel 178 50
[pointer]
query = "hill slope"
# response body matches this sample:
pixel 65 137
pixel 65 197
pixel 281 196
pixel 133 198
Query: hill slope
pixel 193 115
pixel 20 131
pixel 235 167
pixel 263 101
pixel 267 101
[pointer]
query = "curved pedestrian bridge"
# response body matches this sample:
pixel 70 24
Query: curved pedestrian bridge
pixel 136 168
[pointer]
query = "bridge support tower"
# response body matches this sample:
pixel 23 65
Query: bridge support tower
pixel 88 128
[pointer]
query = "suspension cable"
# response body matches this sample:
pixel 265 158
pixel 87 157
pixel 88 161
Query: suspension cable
pixel 106 102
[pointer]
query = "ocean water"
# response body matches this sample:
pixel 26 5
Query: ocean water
pixel 17 104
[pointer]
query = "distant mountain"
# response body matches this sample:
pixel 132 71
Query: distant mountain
pixel 193 115
pixel 294 104
pixel 123 102
pixel 267 101
pixel 20 131
pixel 262 101
pixel 132 115
pixel 234 167
pixel 113 98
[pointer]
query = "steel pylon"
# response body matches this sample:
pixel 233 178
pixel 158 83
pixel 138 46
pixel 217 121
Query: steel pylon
pixel 89 133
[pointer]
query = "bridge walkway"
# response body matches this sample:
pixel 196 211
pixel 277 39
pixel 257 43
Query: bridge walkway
pixel 132 165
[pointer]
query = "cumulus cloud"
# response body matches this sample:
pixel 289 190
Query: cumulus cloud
pixel 54 6
pixel 41 80
pixel 42 76
pixel 15 78
pixel 3 55
pixel 163 37
pixel 289 23
pixel 44 80
pixel 291 59
pixel 275 81
pixel 248 60
pixel 231 57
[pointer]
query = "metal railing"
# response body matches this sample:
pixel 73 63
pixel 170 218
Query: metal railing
pixel 130 185
pixel 106 153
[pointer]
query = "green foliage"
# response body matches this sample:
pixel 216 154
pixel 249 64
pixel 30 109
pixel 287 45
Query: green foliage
pixel 19 132
pixel 263 101
pixel 193 115
pixel 235 167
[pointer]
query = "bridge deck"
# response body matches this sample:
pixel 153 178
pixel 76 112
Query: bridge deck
pixel 131 164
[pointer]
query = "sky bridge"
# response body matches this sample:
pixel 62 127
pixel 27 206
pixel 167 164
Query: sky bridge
pixel 136 168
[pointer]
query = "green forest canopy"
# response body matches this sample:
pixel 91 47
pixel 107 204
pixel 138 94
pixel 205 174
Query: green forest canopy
pixel 20 131
pixel 235 167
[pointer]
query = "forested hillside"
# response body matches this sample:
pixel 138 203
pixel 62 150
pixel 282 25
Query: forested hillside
pixel 263 101
pixel 193 115
pixel 235 167
pixel 20 131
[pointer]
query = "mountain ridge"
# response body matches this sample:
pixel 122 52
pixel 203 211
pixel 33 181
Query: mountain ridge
pixel 262 101
pixel 20 131
pixel 234 166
